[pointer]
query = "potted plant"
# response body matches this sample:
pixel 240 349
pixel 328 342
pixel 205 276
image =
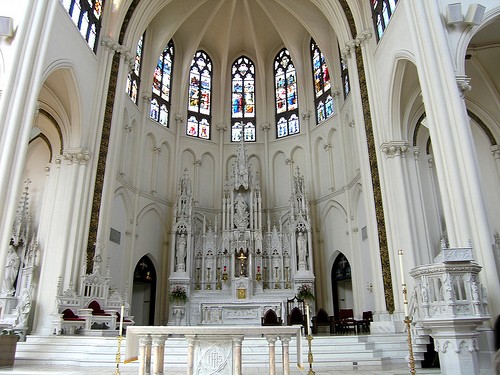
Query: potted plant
pixel 8 344
pixel 305 292
pixel 178 295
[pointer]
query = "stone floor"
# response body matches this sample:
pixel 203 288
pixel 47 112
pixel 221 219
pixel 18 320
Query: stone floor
pixel 129 369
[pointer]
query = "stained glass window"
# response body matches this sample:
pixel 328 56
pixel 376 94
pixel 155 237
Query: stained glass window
pixel 200 96
pixel 381 13
pixel 134 77
pixel 285 87
pixel 162 86
pixel 243 100
pixel 86 15
pixel 322 86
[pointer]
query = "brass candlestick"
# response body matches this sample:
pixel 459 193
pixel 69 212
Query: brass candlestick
pixel 118 357
pixel 410 346
pixel 310 355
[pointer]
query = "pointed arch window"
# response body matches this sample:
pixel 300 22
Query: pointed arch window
pixel 286 100
pixel 162 86
pixel 86 15
pixel 323 100
pixel 200 96
pixel 381 13
pixel 134 77
pixel 243 100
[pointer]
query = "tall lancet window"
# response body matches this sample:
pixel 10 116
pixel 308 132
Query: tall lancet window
pixel 243 100
pixel 200 96
pixel 323 100
pixel 285 87
pixel 86 15
pixel 134 77
pixel 162 86
pixel 381 13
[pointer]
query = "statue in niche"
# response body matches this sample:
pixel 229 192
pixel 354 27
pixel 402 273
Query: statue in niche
pixel 240 211
pixel 302 247
pixel 180 254
pixel 11 270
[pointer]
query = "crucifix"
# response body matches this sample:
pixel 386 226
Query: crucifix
pixel 242 258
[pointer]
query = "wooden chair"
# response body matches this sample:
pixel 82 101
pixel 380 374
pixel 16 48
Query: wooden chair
pixel 364 323
pixel 295 312
pixel 346 322
pixel 271 319
pixel 322 319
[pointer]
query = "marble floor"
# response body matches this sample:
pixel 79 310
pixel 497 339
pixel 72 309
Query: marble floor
pixel 30 369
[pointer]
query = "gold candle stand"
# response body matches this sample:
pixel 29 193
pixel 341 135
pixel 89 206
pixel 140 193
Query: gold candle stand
pixel 310 355
pixel 410 346
pixel 118 357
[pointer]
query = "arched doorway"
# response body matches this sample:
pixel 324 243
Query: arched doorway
pixel 341 284
pixel 144 292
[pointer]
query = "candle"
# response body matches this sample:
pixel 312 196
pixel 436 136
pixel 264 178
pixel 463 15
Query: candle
pixel 405 300
pixel 307 321
pixel 121 320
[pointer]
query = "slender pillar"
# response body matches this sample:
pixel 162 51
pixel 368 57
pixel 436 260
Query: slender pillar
pixel 190 354
pixel 158 351
pixel 272 354
pixel 145 355
pixel 237 355
pixel 285 349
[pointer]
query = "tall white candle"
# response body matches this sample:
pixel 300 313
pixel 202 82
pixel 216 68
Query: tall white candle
pixel 307 320
pixel 121 320
pixel 403 282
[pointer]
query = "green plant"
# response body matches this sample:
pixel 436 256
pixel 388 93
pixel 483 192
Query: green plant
pixel 305 292
pixel 178 294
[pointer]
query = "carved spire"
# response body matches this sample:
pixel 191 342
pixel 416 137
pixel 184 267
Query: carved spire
pixel 241 169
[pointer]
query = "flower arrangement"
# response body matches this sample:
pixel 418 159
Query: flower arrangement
pixel 305 292
pixel 178 294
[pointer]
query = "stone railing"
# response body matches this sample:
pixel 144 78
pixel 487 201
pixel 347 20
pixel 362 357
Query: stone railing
pixel 216 348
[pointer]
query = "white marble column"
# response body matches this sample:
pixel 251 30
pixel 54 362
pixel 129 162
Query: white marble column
pixel 145 355
pixel 237 355
pixel 190 354
pixel 158 352
pixel 18 105
pixel 285 349
pixel 271 340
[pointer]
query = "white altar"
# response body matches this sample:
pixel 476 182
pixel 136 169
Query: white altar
pixel 242 260
pixel 211 350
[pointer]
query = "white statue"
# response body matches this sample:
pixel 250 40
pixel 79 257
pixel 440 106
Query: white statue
pixel 302 248
pixel 240 214
pixel 23 308
pixel 181 253
pixel 11 269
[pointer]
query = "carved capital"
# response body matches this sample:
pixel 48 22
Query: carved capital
pixel 221 128
pixel 327 147
pixel 495 151
pixel 265 126
pixel 127 129
pixel 289 161
pixel 80 157
pixel 362 37
pixel 463 83
pixel 197 163
pixel 416 152
pixel 156 150
pixel 394 148
pixel 306 115
pixel 113 46
pixel 178 118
